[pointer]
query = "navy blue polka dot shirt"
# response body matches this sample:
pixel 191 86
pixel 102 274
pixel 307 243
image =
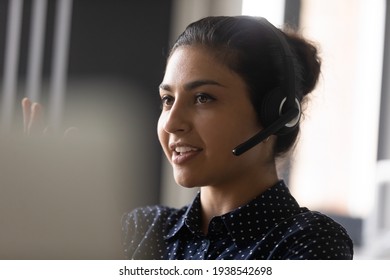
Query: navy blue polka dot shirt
pixel 272 226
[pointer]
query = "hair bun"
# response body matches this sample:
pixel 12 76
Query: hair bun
pixel 308 60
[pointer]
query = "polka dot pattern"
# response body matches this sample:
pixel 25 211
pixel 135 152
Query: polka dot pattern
pixel 272 226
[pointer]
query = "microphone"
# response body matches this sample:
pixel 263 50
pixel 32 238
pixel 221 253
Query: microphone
pixel 266 132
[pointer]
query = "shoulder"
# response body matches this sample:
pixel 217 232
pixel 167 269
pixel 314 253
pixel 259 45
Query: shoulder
pixel 148 213
pixel 312 219
pixel 313 235
pixel 144 217
pixel 144 229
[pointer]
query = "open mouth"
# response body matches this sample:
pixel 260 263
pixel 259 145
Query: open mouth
pixel 185 150
pixel 182 154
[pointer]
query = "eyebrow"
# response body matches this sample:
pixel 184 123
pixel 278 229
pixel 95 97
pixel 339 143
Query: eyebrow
pixel 192 85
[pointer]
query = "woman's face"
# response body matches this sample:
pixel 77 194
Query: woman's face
pixel 206 112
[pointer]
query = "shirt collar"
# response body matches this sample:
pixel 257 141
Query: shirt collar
pixel 246 223
pixel 190 220
pixel 252 221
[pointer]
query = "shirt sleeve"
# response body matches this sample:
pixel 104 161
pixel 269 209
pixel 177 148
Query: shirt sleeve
pixel 143 232
pixel 130 233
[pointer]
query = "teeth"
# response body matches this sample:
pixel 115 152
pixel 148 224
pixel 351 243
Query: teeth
pixel 184 149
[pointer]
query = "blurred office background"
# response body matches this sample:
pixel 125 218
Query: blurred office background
pixel 97 64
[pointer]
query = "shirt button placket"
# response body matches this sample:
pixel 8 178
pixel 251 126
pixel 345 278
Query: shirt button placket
pixel 203 248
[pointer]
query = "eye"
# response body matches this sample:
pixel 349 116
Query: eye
pixel 202 98
pixel 167 101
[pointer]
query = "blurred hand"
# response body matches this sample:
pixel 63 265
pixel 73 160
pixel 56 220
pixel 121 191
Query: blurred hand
pixel 33 123
pixel 32 117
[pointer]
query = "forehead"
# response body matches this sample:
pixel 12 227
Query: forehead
pixel 195 62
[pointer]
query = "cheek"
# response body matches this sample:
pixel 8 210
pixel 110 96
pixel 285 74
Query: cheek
pixel 219 135
pixel 225 134
pixel 162 135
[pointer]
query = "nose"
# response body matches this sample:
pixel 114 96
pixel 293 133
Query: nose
pixel 177 119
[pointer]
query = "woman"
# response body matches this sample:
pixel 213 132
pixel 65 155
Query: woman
pixel 226 79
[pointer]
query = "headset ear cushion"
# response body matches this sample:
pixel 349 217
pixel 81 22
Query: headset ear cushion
pixel 271 110
pixel 270 107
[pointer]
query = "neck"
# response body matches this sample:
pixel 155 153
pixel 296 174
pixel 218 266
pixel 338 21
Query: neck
pixel 219 200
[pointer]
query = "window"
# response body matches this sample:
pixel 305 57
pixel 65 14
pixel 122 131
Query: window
pixel 334 165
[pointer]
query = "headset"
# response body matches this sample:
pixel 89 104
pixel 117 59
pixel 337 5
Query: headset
pixel 280 110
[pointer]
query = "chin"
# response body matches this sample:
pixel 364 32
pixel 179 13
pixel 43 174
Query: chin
pixel 187 178
pixel 187 183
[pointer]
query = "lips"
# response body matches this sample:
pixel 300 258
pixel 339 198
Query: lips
pixel 182 153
